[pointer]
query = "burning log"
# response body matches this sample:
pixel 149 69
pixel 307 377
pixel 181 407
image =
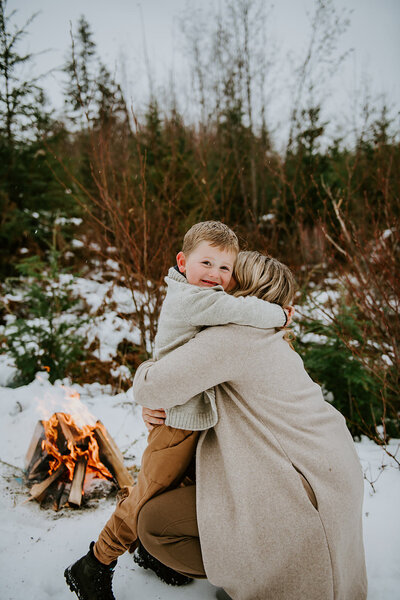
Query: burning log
pixel 111 456
pixel 75 495
pixel 38 490
pixel 61 454
pixel 35 447
pixel 59 494
pixel 65 433
pixel 64 495
pixel 40 467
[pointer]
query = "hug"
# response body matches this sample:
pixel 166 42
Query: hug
pixel 252 480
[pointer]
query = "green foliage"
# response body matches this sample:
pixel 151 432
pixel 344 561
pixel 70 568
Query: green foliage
pixel 44 333
pixel 21 98
pixel 341 370
pixel 27 182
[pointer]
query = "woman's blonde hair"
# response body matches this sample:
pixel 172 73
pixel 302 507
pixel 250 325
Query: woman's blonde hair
pixel 264 277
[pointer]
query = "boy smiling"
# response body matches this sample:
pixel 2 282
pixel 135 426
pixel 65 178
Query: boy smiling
pixel 207 265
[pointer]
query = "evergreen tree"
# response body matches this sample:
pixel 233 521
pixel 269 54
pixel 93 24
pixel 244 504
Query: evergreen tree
pixel 79 68
pixel 92 96
pixel 23 120
pixel 30 195
pixel 21 101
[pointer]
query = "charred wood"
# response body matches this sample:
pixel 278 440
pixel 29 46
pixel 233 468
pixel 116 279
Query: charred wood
pixel 39 490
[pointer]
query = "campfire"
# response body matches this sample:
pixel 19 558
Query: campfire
pixel 62 456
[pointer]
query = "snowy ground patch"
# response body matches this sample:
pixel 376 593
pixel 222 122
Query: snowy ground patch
pixel 36 545
pixel 381 519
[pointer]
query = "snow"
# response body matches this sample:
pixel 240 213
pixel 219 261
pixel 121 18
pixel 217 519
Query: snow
pixel 387 233
pixel 110 329
pixel 68 221
pixel 381 520
pixel 36 544
pixel 77 244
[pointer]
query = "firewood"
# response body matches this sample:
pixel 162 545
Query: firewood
pixel 65 441
pixel 58 495
pixel 40 468
pixel 65 495
pixel 75 495
pixel 35 447
pixel 38 490
pixel 66 433
pixel 111 456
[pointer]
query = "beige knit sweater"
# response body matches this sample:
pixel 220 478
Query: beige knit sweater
pixel 186 309
pixel 261 538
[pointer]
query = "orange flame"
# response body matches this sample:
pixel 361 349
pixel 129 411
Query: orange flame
pixel 84 444
pixel 70 431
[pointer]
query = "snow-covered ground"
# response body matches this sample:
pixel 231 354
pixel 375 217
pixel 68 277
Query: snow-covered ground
pixel 36 544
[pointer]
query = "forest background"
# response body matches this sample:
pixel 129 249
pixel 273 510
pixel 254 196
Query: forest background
pixel 107 191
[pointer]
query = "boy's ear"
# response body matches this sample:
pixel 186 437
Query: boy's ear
pixel 181 262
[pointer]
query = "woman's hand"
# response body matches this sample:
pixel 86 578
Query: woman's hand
pixel 152 418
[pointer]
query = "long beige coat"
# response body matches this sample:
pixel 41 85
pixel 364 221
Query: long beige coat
pixel 261 537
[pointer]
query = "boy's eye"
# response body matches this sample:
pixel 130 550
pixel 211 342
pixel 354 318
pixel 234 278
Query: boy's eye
pixel 206 262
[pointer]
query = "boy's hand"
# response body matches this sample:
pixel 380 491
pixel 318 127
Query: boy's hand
pixel 289 311
pixel 153 418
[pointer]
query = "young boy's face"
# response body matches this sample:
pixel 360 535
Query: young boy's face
pixel 207 265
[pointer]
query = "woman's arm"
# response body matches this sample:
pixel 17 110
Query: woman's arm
pixel 205 361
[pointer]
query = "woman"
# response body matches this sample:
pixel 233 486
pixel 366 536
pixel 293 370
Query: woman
pixel 279 487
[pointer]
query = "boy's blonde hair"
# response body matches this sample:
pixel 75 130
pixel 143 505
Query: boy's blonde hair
pixel 216 233
pixel 264 277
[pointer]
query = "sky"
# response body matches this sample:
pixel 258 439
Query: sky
pixel 123 28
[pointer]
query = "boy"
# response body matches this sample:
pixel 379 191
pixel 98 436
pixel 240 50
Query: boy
pixel 195 298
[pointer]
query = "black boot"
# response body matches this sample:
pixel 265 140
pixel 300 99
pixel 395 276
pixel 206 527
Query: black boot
pixel 147 561
pixel 90 579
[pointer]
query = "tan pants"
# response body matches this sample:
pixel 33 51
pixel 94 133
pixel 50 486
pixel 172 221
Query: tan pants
pixel 168 529
pixel 164 464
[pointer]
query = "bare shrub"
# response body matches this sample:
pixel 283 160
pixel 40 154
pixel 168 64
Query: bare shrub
pixel 139 225
pixel 366 261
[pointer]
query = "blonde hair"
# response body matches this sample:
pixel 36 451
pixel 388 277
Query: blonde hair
pixel 215 232
pixel 264 277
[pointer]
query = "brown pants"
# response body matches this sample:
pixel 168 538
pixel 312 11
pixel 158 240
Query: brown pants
pixel 168 529
pixel 164 464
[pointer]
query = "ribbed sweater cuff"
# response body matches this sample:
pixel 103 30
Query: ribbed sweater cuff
pixel 194 422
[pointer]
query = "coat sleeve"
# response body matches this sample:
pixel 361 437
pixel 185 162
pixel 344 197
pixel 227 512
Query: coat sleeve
pixel 207 307
pixel 206 360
